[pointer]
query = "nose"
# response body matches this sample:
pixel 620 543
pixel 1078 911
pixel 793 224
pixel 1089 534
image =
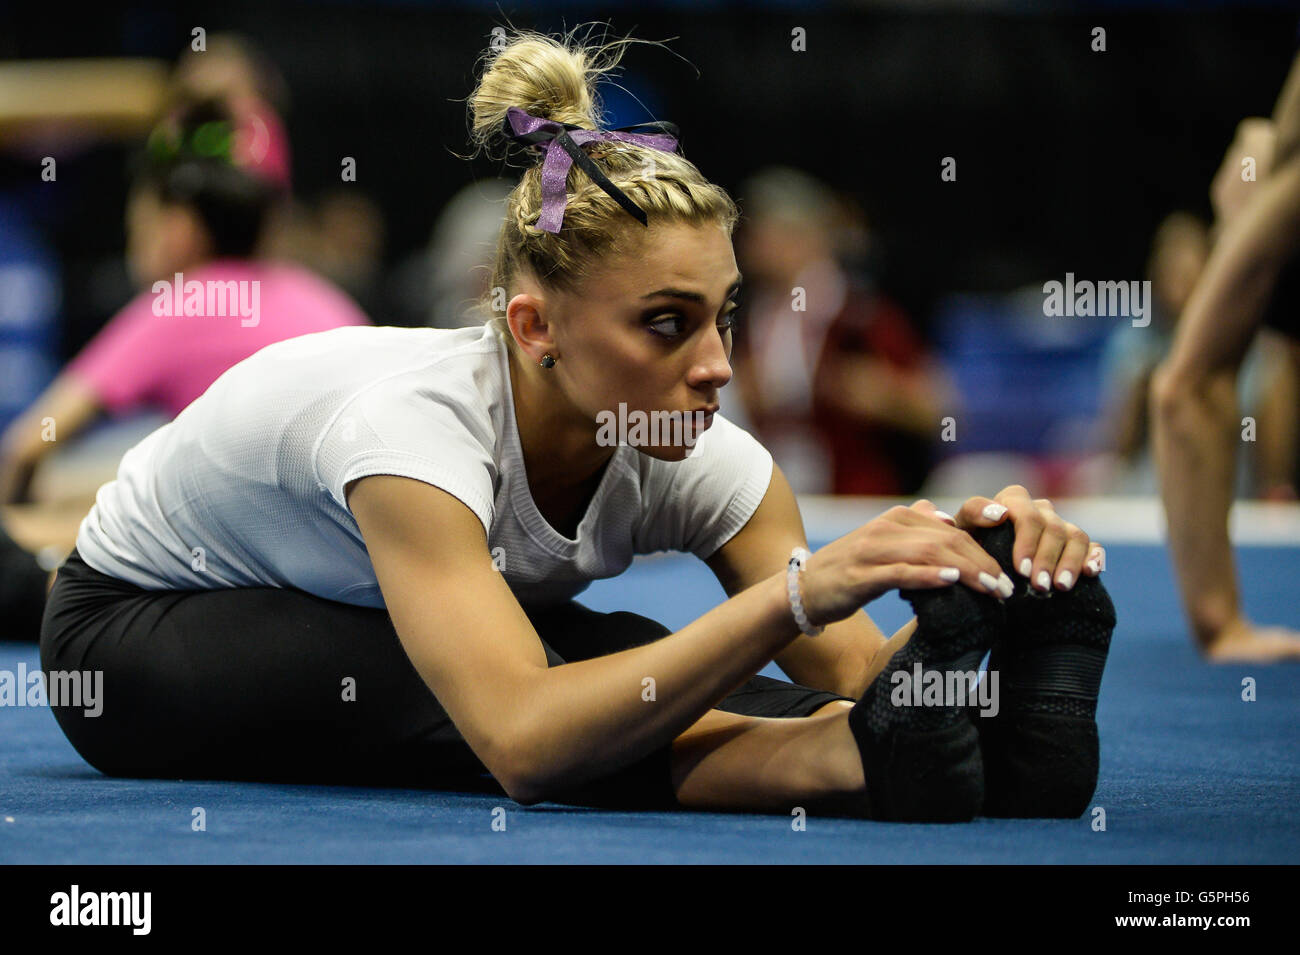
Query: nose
pixel 711 366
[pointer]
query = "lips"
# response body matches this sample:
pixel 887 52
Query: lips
pixel 700 420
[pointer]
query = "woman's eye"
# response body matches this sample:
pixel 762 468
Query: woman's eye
pixel 672 326
pixel 664 326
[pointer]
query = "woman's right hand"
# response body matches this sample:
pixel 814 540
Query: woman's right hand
pixel 914 547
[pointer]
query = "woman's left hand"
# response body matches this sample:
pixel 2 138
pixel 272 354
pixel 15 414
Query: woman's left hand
pixel 1049 550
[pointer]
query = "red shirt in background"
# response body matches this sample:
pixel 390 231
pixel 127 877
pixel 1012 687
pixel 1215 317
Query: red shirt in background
pixel 865 456
pixel 789 354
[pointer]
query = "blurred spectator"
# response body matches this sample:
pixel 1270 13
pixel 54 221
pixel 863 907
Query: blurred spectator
pixel 1179 251
pixel 196 214
pixel 197 210
pixel 461 252
pixel 233 70
pixel 341 236
pixel 440 283
pixel 832 377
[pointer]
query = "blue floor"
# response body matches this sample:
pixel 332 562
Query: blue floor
pixel 1190 772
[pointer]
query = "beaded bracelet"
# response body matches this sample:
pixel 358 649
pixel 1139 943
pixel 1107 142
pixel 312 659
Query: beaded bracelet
pixel 798 561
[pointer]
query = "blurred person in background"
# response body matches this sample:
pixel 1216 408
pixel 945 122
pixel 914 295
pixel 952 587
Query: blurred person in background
pixel 340 236
pixel 234 71
pixel 461 252
pixel 196 214
pixel 234 82
pixel 443 284
pixel 833 378
pixel 1252 279
pixel 1178 255
pixel 230 69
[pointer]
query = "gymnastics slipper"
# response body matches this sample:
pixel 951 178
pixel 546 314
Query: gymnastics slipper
pixel 1041 752
pixel 922 762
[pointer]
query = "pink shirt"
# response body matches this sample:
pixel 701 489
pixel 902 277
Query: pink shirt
pixel 168 344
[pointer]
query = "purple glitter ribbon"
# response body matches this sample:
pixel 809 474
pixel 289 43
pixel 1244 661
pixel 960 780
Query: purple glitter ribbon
pixel 562 141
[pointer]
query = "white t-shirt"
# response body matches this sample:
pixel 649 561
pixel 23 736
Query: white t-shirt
pixel 245 487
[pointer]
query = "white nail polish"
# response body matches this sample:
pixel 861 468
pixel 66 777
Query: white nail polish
pixel 994 512
pixel 1005 587
pixel 1103 560
pixel 1026 567
pixel 988 582
pixel 1093 566
pixel 1044 580
pixel 951 574
pixel 1065 579
pixel 944 516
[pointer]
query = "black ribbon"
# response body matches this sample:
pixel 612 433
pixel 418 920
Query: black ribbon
pixel 543 137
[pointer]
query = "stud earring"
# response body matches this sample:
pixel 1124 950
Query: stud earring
pixel 548 361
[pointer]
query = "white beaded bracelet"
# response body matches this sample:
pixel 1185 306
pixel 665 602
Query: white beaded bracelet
pixel 798 561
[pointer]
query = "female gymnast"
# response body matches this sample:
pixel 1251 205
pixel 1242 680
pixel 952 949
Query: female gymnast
pixel 354 558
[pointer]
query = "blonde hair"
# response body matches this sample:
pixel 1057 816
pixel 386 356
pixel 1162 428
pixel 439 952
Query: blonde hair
pixel 555 78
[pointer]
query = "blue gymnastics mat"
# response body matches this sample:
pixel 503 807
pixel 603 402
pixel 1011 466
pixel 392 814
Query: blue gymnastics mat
pixel 1190 772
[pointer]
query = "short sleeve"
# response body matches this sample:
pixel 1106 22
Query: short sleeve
pixel 698 504
pixel 122 363
pixel 411 433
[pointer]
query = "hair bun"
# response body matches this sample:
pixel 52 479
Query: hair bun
pixel 548 77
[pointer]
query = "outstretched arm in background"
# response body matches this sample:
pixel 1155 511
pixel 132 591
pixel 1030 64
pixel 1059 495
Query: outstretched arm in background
pixel 67 405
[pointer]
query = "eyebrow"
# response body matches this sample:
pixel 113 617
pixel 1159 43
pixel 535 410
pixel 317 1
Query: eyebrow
pixel 689 296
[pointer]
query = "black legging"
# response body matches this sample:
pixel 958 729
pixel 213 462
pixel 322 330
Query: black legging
pixel 250 684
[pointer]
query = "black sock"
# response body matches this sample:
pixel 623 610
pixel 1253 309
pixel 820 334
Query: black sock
pixel 922 763
pixel 1041 752
pixel 1057 642
pixel 954 629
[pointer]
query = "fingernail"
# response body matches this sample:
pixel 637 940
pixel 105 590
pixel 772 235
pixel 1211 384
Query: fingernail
pixel 988 581
pixel 1026 567
pixel 1065 579
pixel 1103 559
pixel 1005 587
pixel 1093 566
pixel 950 574
pixel 1044 580
pixel 994 512
pixel 944 516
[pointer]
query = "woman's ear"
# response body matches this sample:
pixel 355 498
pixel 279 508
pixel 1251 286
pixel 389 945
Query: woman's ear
pixel 526 316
